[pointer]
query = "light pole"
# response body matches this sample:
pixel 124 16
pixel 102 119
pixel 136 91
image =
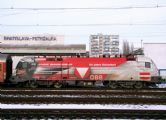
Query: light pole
pixel 141 44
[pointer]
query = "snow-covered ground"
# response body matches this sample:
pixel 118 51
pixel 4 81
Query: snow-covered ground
pixel 84 106
pixel 162 85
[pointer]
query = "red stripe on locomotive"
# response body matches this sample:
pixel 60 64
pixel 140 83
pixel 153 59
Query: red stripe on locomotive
pixel 145 78
pixel 144 73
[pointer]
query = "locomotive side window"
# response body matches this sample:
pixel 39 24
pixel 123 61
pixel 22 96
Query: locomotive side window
pixel 147 65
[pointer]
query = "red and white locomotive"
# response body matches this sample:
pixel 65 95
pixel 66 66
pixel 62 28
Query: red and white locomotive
pixel 133 71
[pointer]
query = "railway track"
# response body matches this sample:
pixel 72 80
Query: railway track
pixel 83 96
pixel 4 88
pixel 81 114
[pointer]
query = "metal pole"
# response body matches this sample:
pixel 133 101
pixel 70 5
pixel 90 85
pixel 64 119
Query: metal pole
pixel 142 46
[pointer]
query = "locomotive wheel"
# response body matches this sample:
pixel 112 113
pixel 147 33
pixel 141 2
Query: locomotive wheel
pixel 113 85
pixel 33 84
pixel 138 85
pixel 57 85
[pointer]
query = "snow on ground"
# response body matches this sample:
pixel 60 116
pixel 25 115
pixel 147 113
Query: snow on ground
pixel 84 106
pixel 162 85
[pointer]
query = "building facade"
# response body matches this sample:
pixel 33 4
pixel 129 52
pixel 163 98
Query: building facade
pixel 41 44
pixel 156 51
pixel 100 45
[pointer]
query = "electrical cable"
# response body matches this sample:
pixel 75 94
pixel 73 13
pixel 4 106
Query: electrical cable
pixel 84 8
pixel 75 25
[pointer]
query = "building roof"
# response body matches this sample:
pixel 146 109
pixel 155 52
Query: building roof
pixel 154 43
pixel 43 49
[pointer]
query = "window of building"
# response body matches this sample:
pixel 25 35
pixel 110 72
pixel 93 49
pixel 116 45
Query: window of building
pixel 107 36
pixel 94 37
pixel 115 43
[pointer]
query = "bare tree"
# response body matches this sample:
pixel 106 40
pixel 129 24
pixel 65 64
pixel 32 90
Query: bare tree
pixel 126 48
pixel 131 48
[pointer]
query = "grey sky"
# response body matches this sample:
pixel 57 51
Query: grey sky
pixel 123 21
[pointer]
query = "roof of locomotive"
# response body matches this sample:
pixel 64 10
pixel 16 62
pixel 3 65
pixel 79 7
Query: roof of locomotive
pixel 143 58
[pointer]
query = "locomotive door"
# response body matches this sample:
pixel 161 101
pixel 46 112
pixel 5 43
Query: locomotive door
pixel 64 71
pixel 1 72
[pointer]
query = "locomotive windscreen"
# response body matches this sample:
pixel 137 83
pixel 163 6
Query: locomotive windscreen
pixel 22 65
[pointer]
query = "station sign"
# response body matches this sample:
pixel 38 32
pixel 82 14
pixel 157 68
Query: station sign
pixel 32 39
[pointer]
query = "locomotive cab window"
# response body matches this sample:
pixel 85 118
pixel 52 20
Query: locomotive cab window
pixel 147 65
pixel 22 65
pixel 19 65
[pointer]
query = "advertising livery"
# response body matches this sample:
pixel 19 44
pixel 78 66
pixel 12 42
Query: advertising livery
pixel 135 71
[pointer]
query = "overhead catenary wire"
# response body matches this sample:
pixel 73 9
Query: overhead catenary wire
pixel 82 8
pixel 131 36
pixel 75 25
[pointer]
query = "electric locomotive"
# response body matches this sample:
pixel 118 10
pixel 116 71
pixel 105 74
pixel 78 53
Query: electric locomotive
pixel 133 71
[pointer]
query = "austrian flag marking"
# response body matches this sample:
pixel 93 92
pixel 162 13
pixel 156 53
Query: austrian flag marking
pixel 82 72
pixel 145 75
